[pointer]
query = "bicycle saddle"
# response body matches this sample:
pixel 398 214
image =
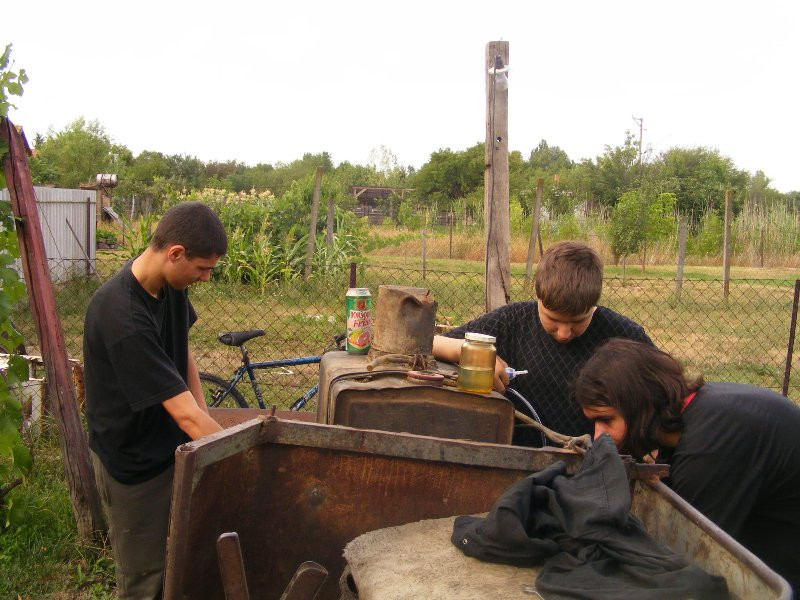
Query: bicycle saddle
pixel 237 338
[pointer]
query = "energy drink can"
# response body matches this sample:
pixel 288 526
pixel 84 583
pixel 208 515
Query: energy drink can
pixel 358 304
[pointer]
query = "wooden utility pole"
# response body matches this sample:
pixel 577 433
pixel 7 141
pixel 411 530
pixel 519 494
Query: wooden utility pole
pixel 312 228
pixel 61 391
pixel 535 234
pixel 726 246
pixel 495 201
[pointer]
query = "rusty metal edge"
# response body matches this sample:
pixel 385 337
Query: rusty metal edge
pixel 747 558
pixel 272 430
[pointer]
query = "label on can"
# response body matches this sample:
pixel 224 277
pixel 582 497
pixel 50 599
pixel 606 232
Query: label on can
pixel 358 304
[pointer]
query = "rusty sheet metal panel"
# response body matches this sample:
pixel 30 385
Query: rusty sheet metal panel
pixel 390 402
pixel 297 491
pixel 670 519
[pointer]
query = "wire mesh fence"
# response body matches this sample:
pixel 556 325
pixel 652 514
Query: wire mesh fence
pixel 743 338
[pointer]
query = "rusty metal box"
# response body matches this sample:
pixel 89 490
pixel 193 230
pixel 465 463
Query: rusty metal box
pixel 386 400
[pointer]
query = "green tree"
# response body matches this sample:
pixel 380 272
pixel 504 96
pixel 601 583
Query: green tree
pixel 449 176
pixel 284 175
pixel 549 159
pixel 615 172
pixel 638 221
pixel 698 177
pixel 75 155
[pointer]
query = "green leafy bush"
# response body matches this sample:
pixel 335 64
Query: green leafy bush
pixel 107 236
pixel 15 458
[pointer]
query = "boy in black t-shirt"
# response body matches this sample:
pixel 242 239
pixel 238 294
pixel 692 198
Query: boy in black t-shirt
pixel 551 338
pixel 143 392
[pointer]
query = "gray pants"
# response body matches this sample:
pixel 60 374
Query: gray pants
pixel 138 517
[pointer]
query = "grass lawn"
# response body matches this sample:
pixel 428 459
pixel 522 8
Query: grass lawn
pixel 40 555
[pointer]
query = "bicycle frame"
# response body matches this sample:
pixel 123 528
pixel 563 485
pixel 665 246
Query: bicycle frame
pixel 251 368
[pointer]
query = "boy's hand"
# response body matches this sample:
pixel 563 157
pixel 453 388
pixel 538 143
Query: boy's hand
pixel 500 375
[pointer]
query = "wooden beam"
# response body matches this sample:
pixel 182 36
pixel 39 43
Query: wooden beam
pixel 63 402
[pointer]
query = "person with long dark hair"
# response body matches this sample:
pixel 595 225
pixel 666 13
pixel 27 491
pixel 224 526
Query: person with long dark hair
pixel 733 449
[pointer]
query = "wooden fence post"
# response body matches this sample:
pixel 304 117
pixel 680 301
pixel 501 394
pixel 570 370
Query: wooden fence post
pixel 63 401
pixel 424 253
pixel 312 228
pixel 329 225
pixel 535 233
pixel 681 257
pixel 450 223
pixel 726 247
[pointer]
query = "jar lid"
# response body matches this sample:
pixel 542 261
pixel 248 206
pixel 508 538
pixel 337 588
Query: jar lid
pixel 479 337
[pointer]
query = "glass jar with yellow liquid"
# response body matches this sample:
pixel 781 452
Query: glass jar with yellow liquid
pixel 476 365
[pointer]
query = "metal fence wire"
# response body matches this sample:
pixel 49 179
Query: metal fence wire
pixel 744 338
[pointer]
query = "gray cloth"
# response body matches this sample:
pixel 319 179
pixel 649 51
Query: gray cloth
pixel 582 529
pixel 138 517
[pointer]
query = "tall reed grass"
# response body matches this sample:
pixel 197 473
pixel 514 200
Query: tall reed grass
pixel 759 238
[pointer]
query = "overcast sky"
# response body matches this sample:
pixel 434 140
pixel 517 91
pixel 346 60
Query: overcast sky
pixel 269 81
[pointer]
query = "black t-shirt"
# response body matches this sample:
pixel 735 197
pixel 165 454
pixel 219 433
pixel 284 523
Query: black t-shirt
pixel 738 462
pixel 135 350
pixel 524 344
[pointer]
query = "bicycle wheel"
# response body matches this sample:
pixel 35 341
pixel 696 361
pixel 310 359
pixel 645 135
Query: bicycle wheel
pixel 213 389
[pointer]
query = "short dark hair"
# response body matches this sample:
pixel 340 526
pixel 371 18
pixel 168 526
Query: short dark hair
pixel 645 385
pixel 194 226
pixel 569 278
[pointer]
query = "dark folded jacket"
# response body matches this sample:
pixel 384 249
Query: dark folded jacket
pixel 582 531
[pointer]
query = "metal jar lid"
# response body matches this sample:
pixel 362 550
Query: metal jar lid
pixel 479 337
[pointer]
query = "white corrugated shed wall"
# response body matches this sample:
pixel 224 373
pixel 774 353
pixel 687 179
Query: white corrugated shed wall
pixel 69 224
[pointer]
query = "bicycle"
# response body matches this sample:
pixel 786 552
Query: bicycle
pixel 220 393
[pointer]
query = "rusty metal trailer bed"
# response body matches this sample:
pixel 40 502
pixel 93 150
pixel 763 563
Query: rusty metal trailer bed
pixel 298 491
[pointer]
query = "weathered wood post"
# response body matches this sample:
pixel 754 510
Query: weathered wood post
pixel 726 247
pixel 496 216
pixel 63 402
pixel 450 226
pixel 535 233
pixel 312 228
pixel 681 257
pixel 329 225
pixel 424 257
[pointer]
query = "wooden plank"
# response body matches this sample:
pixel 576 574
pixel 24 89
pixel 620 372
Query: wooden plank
pixel 63 403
